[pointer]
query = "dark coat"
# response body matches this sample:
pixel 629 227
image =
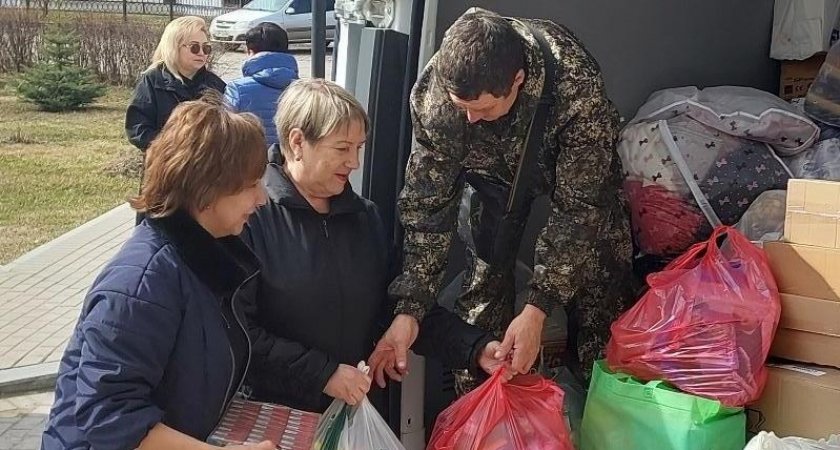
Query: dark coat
pixel 158 92
pixel 152 345
pixel 323 295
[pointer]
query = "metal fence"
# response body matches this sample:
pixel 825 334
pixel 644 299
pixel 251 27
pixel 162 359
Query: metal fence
pixel 126 8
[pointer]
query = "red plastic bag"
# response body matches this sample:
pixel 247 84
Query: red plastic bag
pixel 524 414
pixel 706 324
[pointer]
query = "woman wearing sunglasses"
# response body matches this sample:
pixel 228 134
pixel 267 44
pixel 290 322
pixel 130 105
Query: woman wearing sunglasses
pixel 177 74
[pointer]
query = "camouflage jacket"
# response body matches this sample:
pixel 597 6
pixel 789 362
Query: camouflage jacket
pixel 586 241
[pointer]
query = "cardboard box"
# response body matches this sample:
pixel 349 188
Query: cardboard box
pixel 799 401
pixel 796 76
pixel 812 216
pixel 805 270
pixel 809 331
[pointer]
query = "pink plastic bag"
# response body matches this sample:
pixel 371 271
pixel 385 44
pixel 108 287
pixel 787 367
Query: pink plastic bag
pixel 524 414
pixel 706 324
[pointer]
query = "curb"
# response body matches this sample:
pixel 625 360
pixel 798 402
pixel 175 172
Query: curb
pixel 24 261
pixel 38 377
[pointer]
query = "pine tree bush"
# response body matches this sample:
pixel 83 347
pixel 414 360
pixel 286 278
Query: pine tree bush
pixel 57 82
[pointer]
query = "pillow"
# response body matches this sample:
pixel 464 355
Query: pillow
pixel 738 111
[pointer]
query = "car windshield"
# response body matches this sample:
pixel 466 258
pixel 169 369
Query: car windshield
pixel 266 5
pixel 298 6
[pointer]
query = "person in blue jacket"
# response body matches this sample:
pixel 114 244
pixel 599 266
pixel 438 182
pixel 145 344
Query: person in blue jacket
pixel 265 75
pixel 160 348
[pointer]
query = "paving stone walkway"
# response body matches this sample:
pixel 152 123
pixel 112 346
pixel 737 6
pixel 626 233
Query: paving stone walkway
pixel 42 291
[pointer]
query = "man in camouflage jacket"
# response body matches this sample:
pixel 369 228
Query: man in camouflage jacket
pixel 471 108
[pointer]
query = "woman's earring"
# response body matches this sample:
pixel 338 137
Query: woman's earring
pixel 298 157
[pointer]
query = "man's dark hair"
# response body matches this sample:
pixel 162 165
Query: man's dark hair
pixel 267 37
pixel 481 52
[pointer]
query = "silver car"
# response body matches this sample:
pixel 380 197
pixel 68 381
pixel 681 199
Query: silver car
pixel 294 16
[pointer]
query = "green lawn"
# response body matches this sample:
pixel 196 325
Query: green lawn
pixel 59 170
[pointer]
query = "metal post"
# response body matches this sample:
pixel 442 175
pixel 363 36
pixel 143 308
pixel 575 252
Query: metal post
pixel 336 40
pixel 125 10
pixel 319 38
pixel 171 10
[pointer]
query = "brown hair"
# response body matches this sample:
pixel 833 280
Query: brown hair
pixel 205 151
pixel 481 52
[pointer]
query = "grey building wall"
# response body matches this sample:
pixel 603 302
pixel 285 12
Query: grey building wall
pixel 646 45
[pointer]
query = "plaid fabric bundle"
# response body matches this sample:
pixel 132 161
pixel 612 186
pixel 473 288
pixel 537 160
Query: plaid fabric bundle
pixel 247 422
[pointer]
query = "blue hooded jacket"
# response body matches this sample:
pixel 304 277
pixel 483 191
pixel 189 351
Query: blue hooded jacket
pixel 265 76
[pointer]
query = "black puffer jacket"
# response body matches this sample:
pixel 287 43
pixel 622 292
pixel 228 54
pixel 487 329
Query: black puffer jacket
pixel 322 297
pixel 158 92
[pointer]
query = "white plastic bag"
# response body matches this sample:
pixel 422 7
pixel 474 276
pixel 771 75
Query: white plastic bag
pixel 765 218
pixel 345 427
pixel 769 441
pixel 820 162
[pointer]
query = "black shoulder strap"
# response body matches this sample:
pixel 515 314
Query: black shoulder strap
pixel 528 168
pixel 509 231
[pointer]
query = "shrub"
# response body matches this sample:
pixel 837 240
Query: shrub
pixel 58 82
pixel 20 31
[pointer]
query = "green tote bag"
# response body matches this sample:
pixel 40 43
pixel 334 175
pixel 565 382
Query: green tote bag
pixel 624 413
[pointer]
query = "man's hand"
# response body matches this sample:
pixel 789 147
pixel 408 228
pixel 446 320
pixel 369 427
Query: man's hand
pixel 391 353
pixel 523 337
pixel 349 384
pixel 489 363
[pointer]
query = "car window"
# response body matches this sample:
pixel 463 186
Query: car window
pixel 265 5
pixel 305 6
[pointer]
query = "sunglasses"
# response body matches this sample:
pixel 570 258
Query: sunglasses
pixel 196 48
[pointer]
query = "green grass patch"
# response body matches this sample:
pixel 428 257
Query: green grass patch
pixel 56 169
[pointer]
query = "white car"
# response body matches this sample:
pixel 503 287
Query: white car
pixel 294 16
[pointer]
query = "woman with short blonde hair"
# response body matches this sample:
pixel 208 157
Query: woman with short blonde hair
pixel 160 348
pixel 325 256
pixel 317 108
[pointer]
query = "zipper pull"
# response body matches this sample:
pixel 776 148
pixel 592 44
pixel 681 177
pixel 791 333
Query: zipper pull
pixel 326 232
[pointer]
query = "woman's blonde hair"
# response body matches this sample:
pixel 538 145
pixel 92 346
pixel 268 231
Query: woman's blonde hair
pixel 174 36
pixel 204 152
pixel 318 107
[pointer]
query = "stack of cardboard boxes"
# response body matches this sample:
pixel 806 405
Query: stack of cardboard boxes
pixel 802 398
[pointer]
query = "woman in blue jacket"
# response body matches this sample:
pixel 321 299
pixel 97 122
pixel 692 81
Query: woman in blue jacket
pixel 160 348
pixel 266 73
